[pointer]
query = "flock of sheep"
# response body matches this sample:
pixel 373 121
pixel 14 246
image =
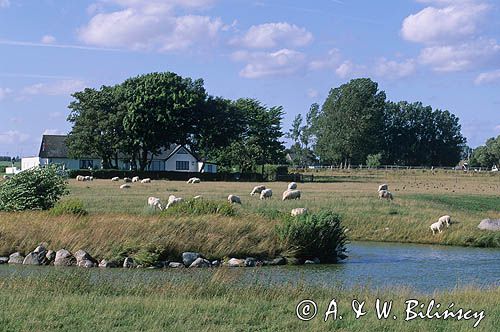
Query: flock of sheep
pixel 438 226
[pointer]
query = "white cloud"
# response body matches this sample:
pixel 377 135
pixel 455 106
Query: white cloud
pixel 488 77
pixel 4 3
pixel 392 69
pixel 13 137
pixel 53 132
pixel 48 39
pixel 331 61
pixel 467 55
pixel 151 25
pixel 262 64
pixel 4 92
pixel 64 87
pixel 312 93
pixel 345 69
pixel 272 35
pixel 497 128
pixel 432 25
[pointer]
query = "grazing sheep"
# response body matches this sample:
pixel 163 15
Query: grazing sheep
pixel 292 185
pixel 155 202
pixel 257 190
pixel 146 180
pixel 135 179
pixel 437 227
pixel 291 194
pixel 298 211
pixel 89 178
pixel 446 220
pixel 194 180
pixel 233 199
pixel 125 186
pixel 198 197
pixel 383 187
pixel 172 200
pixel 115 179
pixel 80 178
pixel 266 193
pixel 127 180
pixel 385 194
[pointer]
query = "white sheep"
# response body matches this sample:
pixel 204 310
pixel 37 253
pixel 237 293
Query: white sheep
pixel 437 227
pixel 135 179
pixel 198 197
pixel 292 185
pixel 115 179
pixel 125 186
pixel 89 178
pixel 155 202
pixel 257 190
pixel 383 187
pixel 446 220
pixel 266 193
pixel 194 180
pixel 291 194
pixel 80 178
pixel 385 194
pixel 172 200
pixel 233 199
pixel 298 211
pixel 146 180
pixel 127 180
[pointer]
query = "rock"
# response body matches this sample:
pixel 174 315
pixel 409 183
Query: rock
pixel 489 224
pixel 189 257
pixel 236 262
pixel 293 261
pixel 4 260
pixel 86 263
pixel 64 258
pixel 314 261
pixel 216 263
pixel 107 264
pixel 81 256
pixel 128 263
pixel 250 262
pixel 175 265
pixel 50 256
pixel 16 258
pixel 200 262
pixel 32 259
pixel 277 261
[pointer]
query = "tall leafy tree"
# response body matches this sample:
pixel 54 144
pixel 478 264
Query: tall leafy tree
pixel 487 155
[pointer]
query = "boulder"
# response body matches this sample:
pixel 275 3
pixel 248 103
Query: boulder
pixel 16 258
pixel 277 261
pixel 32 259
pixel 236 262
pixel 216 263
pixel 175 264
pixel 489 224
pixel 64 258
pixel 313 261
pixel 128 263
pixel 200 262
pixel 250 262
pixel 81 256
pixel 86 263
pixel 189 257
pixel 106 263
pixel 4 260
pixel 50 256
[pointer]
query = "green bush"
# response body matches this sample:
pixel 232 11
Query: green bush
pixel 313 235
pixel 70 206
pixel 373 160
pixel 34 189
pixel 201 207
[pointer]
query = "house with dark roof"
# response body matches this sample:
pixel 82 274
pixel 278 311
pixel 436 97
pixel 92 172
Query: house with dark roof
pixel 53 150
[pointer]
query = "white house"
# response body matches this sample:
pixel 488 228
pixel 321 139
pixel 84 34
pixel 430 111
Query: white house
pixel 53 150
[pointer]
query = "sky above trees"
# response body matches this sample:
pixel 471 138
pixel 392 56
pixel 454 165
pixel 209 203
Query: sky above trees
pixel 443 53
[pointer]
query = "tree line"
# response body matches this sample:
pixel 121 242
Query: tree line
pixel 488 154
pixel 358 125
pixel 145 114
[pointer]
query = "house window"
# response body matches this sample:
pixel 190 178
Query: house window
pixel 86 164
pixel 182 165
pixel 210 168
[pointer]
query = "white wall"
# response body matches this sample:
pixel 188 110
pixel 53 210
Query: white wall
pixel 27 163
pixel 171 162
pixel 207 169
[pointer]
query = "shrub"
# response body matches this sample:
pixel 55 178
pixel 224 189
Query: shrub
pixel 34 189
pixel 373 160
pixel 314 235
pixel 201 207
pixel 70 206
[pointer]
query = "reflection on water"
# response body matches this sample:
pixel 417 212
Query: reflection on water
pixel 373 264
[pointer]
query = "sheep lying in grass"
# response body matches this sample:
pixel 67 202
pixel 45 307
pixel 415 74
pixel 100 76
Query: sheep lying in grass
pixel 437 226
pixel 291 194
pixel 266 193
pixel 257 190
pixel 385 194
pixel 127 180
pixel 115 179
pixel 135 179
pixel 383 187
pixel 125 186
pixel 446 220
pixel 80 178
pixel 89 178
pixel 233 199
pixel 155 202
pixel 146 180
pixel 172 200
pixel 298 211
pixel 194 180
pixel 292 185
pixel 198 197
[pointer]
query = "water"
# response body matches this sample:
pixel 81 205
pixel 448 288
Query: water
pixel 425 268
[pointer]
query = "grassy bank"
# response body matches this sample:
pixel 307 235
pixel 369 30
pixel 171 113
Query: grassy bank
pixel 77 300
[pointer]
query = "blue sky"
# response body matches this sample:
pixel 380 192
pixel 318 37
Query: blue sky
pixel 445 53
